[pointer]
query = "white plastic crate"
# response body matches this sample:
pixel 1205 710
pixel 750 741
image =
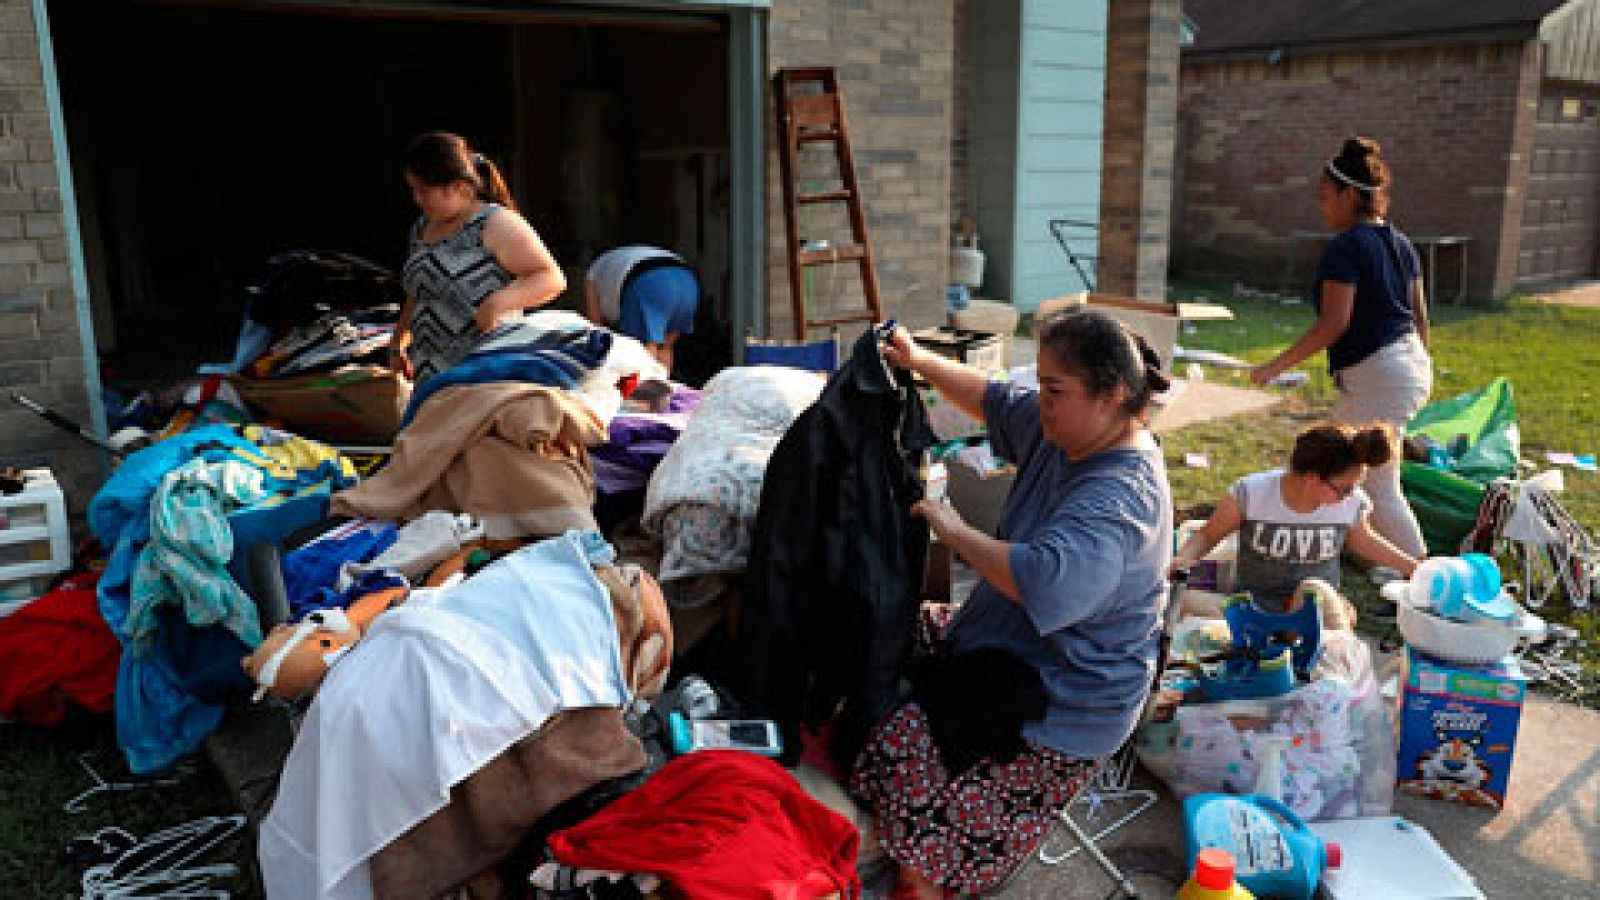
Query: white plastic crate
pixel 35 538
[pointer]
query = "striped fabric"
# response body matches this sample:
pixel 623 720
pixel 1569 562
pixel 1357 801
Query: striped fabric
pixel 446 281
pixel 557 358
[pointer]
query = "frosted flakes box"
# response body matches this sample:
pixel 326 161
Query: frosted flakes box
pixel 1458 729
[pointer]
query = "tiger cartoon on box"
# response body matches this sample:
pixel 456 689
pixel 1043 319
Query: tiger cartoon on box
pixel 1453 770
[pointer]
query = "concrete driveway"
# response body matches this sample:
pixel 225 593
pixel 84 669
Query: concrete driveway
pixel 1545 844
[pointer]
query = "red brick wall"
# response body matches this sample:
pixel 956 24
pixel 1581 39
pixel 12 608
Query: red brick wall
pixel 1455 124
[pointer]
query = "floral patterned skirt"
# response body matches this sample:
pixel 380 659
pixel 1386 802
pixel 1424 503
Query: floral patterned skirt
pixel 967 833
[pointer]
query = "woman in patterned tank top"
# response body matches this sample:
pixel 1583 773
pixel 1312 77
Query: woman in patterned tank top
pixel 473 260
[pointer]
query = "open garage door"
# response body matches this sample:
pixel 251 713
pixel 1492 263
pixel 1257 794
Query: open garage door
pixel 207 136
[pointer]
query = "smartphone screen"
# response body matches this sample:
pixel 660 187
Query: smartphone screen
pixel 755 735
pixel 748 733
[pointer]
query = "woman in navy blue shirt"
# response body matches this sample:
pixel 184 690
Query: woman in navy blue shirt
pixel 1372 317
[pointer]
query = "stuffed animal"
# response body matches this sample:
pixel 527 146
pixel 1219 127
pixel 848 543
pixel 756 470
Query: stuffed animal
pixel 644 627
pixel 293 659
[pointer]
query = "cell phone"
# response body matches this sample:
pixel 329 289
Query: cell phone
pixel 758 736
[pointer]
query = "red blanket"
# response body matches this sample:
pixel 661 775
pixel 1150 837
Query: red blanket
pixel 57 649
pixel 721 825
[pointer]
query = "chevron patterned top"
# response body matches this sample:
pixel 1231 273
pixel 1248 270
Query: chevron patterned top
pixel 446 281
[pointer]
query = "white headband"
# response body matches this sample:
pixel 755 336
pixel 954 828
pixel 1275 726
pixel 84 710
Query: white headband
pixel 1334 171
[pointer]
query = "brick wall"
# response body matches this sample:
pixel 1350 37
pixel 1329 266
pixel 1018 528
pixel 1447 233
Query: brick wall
pixel 41 353
pixel 1455 123
pixel 894 59
pixel 960 196
pixel 1140 131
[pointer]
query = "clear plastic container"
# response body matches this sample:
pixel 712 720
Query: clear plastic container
pixel 1216 572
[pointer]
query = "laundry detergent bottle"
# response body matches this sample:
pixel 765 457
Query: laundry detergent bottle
pixel 1211 878
pixel 1274 853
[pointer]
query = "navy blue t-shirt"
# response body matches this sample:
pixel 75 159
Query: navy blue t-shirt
pixel 1366 256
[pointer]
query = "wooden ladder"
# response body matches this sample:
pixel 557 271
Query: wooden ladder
pixel 809 115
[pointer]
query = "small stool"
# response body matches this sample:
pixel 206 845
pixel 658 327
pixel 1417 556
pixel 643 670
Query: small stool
pixel 35 537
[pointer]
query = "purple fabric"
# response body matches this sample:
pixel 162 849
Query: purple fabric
pixel 637 442
pixel 683 399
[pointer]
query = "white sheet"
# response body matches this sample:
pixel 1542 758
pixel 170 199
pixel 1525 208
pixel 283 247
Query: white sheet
pixel 436 689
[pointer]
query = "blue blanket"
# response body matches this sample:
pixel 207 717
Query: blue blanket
pixel 159 719
pixel 553 358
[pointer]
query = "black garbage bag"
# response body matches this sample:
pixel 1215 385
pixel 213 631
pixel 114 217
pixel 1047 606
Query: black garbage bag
pixel 300 286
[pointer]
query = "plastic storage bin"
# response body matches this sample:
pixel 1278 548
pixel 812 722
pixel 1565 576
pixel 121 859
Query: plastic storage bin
pixel 35 539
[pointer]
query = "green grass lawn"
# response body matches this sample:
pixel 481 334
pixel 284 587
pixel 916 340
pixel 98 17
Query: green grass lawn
pixel 1551 355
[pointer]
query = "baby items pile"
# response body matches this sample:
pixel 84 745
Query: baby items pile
pixel 1320 739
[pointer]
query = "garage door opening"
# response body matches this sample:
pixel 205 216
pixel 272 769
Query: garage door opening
pixel 206 139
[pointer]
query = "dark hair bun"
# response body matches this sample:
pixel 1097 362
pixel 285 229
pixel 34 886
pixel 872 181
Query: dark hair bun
pixel 1155 380
pixel 1359 148
pixel 1374 444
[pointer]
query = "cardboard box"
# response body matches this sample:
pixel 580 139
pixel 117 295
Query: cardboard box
pixel 979 498
pixel 351 404
pixel 1156 322
pixel 1458 729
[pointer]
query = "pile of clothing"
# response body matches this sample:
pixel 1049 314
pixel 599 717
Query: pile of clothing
pixel 478 673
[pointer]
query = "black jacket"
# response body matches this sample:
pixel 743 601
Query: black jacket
pixel 835 573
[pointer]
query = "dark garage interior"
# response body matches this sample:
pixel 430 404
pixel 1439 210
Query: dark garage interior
pixel 205 138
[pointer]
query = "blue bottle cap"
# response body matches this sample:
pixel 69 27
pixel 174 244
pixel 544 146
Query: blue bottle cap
pixel 678 729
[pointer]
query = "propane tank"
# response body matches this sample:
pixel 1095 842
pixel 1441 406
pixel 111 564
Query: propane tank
pixel 966 262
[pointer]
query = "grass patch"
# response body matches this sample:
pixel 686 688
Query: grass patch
pixel 39 773
pixel 1548 352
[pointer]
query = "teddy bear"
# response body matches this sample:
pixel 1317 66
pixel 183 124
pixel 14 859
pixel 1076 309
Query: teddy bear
pixel 293 659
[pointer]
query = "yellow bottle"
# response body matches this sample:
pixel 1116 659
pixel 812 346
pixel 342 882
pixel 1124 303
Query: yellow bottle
pixel 1213 878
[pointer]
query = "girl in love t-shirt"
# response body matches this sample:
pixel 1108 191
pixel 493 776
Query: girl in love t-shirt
pixel 1279 547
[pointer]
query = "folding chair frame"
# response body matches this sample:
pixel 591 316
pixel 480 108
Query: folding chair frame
pixel 1058 229
pixel 1114 780
pixel 798 347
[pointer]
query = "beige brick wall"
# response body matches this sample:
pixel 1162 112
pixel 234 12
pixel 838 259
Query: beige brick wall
pixel 1140 133
pixel 41 351
pixel 960 146
pixel 895 62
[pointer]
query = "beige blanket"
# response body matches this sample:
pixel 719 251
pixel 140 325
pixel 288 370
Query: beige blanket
pixel 514 455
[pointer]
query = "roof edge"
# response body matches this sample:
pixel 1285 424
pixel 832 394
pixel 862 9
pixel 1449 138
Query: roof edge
pixel 1498 34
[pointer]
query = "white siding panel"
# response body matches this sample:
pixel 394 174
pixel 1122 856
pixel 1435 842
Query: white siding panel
pixel 1061 115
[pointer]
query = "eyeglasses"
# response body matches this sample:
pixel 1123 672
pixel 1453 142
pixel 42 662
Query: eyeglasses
pixel 1340 490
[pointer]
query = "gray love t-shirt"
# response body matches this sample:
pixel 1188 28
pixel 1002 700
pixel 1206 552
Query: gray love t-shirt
pixel 1279 547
